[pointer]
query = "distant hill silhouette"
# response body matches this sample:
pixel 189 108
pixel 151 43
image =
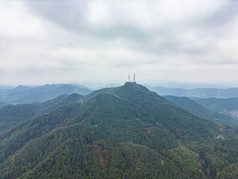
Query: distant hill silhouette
pixel 197 92
pixel 25 94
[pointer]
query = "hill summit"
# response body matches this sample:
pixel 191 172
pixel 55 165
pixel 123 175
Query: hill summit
pixel 122 132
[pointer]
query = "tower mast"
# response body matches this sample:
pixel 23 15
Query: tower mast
pixel 134 77
pixel 129 77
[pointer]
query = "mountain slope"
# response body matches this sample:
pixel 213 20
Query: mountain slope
pixel 164 111
pixel 228 106
pixel 90 126
pixel 11 115
pixel 200 111
pixel 127 132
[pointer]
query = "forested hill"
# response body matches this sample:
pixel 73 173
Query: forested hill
pixel 123 132
pixel 11 115
pixel 196 109
pixel 228 106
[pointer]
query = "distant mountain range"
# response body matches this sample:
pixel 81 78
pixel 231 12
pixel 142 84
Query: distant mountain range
pixel 25 94
pixel 122 132
pixel 197 93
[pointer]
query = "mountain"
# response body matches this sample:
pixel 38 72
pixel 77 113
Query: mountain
pixel 197 92
pixel 11 115
pixel 2 104
pixel 25 94
pixel 228 106
pixel 5 87
pixel 122 132
pixel 196 109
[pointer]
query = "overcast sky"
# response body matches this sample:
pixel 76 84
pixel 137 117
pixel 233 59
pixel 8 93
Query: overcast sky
pixel 56 41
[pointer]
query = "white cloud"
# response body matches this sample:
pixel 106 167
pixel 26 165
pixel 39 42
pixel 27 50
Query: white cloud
pixel 17 23
pixel 149 15
pixel 99 13
pixel 96 40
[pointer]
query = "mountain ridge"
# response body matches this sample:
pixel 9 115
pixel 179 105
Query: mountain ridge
pixel 127 131
pixel 25 94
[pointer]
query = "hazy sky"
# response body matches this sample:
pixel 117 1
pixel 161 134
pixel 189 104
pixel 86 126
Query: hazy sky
pixel 56 41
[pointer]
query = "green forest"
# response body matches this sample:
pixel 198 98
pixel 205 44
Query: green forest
pixel 122 132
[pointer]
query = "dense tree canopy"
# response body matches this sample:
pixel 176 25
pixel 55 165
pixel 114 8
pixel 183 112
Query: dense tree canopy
pixel 124 132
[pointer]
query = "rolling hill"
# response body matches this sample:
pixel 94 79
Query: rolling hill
pixel 122 132
pixel 228 106
pixel 196 109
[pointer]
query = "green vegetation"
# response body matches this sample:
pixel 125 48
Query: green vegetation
pixel 123 132
pixel 200 111
pixel 186 159
pixel 12 115
pixel 219 105
pixel 226 106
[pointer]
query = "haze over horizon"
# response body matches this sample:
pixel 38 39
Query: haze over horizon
pixel 187 42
